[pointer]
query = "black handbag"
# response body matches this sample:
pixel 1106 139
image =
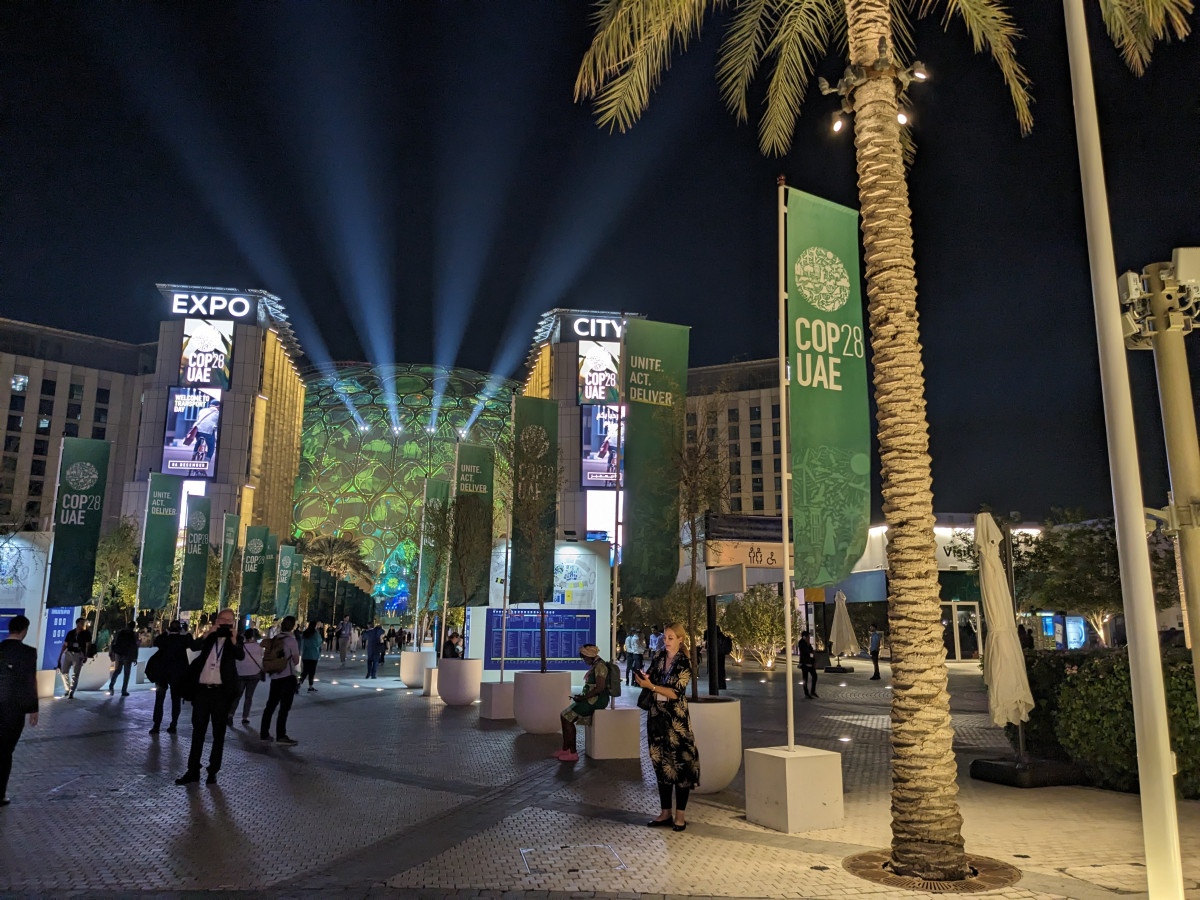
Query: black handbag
pixel 153 665
pixel 646 699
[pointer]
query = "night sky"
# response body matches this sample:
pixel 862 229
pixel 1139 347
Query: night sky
pixel 416 183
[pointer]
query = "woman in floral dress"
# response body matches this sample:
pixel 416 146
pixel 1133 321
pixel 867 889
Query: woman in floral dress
pixel 669 728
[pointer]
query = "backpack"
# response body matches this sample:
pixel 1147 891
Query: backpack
pixel 612 682
pixel 275 658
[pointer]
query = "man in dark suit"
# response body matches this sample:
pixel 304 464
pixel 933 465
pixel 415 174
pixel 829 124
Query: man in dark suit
pixel 169 672
pixel 216 679
pixel 18 695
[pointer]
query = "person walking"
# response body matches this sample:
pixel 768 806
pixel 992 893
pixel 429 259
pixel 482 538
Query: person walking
pixel 169 671
pixel 250 673
pixel 310 654
pixel 656 641
pixel 635 649
pixel 73 655
pixel 124 654
pixel 724 648
pixel 215 673
pixel 595 696
pixel 876 642
pixel 669 727
pixel 281 655
pixel 18 695
pixel 808 665
pixel 372 643
pixel 345 634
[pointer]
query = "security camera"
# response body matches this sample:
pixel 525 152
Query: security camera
pixel 1186 263
pixel 1129 287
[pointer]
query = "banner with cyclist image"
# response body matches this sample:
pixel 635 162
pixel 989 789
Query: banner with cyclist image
pixel 193 426
pixel 599 439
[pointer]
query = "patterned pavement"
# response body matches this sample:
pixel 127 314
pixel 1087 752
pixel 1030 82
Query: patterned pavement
pixel 393 794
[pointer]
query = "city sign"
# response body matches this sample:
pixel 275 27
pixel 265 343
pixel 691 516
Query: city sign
pixel 595 327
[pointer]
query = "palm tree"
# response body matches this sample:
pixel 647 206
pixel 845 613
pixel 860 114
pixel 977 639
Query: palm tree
pixel 632 46
pixel 339 554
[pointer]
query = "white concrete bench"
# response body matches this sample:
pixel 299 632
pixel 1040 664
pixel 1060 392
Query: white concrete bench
pixel 614 734
pixel 496 700
pixel 430 689
pixel 794 790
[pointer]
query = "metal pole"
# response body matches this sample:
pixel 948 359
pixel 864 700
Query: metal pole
pixel 785 450
pixel 1183 454
pixel 616 581
pixel 1160 826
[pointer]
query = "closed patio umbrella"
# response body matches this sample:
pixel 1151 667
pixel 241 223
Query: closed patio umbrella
pixel 1009 699
pixel 842 638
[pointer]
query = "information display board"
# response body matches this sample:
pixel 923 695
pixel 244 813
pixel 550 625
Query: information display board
pixel 190 439
pixel 599 436
pixel 566 632
pixel 59 620
pixel 207 357
pixel 599 362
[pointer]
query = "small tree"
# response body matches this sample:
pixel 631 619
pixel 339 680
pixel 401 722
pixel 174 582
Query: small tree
pixel 537 475
pixel 115 583
pixel 470 550
pixel 437 523
pixel 755 622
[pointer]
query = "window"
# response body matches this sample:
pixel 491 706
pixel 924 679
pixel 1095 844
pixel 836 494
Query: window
pixel 691 418
pixel 43 425
pixel 19 383
pixel 756 485
pixel 756 430
pixel 74 411
pixel 6 482
pixel 12 443
pixel 756 448
pixel 735 467
pixel 102 395
pixel 16 404
pixel 777 468
pixel 101 415
pixel 775 411
pixel 45 407
pixel 778 502
pixel 755 413
pixel 41 448
pixel 735 433
pixel 71 429
pixel 8 464
pixel 33 508
pixel 710 434
pixel 6 506
pixel 778 484
pixel 758 503
pixel 774 429
pixel 735 450
pixel 776 447
pixel 35 488
pixel 49 386
pixel 735 504
pixel 731 414
pixel 756 467
pixel 38 467
pixel 15 423
pixel 691 435
pixel 97 432
pixel 735 485
pixel 76 392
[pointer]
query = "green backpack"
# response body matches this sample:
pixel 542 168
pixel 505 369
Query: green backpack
pixel 612 681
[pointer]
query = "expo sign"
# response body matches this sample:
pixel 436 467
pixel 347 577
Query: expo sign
pixel 211 306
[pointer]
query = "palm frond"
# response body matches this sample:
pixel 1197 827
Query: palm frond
pixel 990 26
pixel 631 50
pixel 903 43
pixel 800 42
pixel 741 51
pixel 1135 26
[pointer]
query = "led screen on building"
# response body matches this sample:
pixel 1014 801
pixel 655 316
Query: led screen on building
pixel 598 447
pixel 207 357
pixel 193 425
pixel 598 367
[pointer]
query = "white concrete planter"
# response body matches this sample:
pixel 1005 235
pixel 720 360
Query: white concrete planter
pixel 717 725
pixel 144 654
pixel 538 698
pixel 496 700
pixel 95 674
pixel 458 681
pixel 413 664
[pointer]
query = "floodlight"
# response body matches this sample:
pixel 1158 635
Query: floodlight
pixel 838 122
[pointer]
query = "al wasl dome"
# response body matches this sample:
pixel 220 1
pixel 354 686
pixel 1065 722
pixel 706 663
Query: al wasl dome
pixel 363 465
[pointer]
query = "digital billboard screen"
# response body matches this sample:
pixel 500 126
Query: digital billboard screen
pixel 598 450
pixel 207 357
pixel 598 366
pixel 193 425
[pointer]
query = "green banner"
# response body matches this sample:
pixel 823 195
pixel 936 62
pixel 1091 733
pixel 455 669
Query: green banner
pixel 283 580
pixel 471 546
pixel 160 538
pixel 229 542
pixel 295 584
pixel 830 428
pixel 270 579
pixel 655 357
pixel 253 563
pixel 194 579
pixel 535 497
pixel 78 511
pixel 429 591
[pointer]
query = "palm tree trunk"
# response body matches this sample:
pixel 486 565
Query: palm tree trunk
pixel 926 823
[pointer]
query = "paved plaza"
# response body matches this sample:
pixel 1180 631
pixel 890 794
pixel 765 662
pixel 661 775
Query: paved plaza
pixel 392 794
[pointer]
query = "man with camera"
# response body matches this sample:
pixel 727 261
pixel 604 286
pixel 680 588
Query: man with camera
pixel 214 674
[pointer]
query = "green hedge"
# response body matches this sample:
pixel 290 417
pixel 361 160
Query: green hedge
pixel 1084 713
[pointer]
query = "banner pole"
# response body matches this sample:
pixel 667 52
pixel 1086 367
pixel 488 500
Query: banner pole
pixel 785 460
pixel 512 415
pixel 616 580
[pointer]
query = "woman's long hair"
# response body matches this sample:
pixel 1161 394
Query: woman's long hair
pixel 681 633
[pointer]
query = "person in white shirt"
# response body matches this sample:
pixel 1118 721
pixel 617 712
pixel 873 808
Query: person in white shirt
pixel 635 648
pixel 283 681
pixel 250 673
pixel 345 634
pixel 206 427
pixel 656 641
pixel 216 688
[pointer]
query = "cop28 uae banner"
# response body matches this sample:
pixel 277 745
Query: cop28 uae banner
pixel 655 364
pixel 194 580
pixel 160 536
pixel 471 547
pixel 253 557
pixel 270 579
pixel 229 542
pixel 287 584
pixel 830 428
pixel 78 510
pixel 429 593
pixel 535 489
